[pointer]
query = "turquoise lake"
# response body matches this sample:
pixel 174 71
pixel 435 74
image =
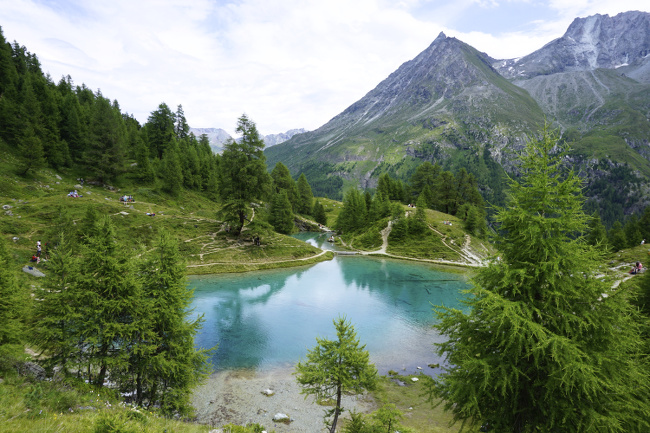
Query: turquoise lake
pixel 269 319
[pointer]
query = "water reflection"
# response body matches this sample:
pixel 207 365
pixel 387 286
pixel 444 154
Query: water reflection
pixel 269 319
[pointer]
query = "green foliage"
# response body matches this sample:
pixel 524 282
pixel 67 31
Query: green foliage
pixel 353 216
pixel 383 420
pixel 104 157
pixel 282 180
pixel 164 367
pixel 616 237
pixel 13 307
pixel 318 212
pixel 242 178
pixel 541 348
pixel 172 174
pixel 281 216
pixel 100 317
pixel 305 195
pixel 596 234
pixel 249 428
pixel 335 367
pixel 370 239
pixel 324 183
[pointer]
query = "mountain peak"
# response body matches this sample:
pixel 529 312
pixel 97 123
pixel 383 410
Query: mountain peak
pixel 442 36
pixel 597 41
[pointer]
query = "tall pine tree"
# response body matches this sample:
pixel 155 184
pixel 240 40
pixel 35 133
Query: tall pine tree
pixel 542 348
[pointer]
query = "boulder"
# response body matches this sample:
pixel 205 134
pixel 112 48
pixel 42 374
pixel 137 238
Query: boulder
pixel 31 369
pixel 268 392
pixel 281 417
pixel 33 271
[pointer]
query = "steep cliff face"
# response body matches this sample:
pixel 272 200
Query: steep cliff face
pixel 598 41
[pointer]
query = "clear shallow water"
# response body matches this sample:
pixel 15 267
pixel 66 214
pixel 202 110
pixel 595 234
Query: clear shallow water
pixel 269 319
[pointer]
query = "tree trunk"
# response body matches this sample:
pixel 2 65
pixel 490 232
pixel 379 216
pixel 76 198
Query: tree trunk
pixel 337 410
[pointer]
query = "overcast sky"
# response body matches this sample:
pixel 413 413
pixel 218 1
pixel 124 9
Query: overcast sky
pixel 285 63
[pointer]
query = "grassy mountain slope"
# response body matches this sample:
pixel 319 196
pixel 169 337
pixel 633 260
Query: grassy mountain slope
pixel 33 204
pixel 446 101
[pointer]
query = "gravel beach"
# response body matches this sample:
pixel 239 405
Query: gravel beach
pixel 236 396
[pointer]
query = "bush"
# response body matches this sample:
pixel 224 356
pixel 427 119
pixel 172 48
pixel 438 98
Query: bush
pixel 114 423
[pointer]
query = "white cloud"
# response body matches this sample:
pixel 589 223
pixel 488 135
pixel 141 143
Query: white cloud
pixel 286 63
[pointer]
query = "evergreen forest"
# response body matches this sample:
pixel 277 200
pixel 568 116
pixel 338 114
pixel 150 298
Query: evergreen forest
pixel 545 343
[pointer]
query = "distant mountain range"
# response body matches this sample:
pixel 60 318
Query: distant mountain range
pixel 461 108
pixel 218 137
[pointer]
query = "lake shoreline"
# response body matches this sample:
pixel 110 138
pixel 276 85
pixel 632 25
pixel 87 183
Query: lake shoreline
pixel 237 397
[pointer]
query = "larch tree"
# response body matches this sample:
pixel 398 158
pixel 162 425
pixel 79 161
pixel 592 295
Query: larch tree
pixel 281 214
pixel 282 180
pixel 336 367
pixel 545 345
pixel 243 179
pixel 172 173
pixel 107 297
pixel 305 195
pixel 13 303
pixel 318 212
pixel 57 316
pixel 163 360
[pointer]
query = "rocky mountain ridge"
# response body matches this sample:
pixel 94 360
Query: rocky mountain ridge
pixel 218 137
pixel 461 108
pixel 598 41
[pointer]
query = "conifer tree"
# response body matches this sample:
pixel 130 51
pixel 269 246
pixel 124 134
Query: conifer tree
pixel 644 224
pixel 181 128
pixel 243 178
pixel 58 315
pixel 541 348
pixel 418 223
pixel 145 171
pixel 632 233
pixel 305 195
pixel 281 215
pixel 426 174
pixel 616 237
pixel 172 174
pixel 384 185
pixel 353 215
pixel 336 367
pixel 107 295
pixel 319 213
pixel 163 359
pixel 31 153
pixel 13 306
pixel 445 193
pixel 429 197
pixel 160 129
pixel 379 207
pixel 282 180
pixel 104 157
pixel 597 234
